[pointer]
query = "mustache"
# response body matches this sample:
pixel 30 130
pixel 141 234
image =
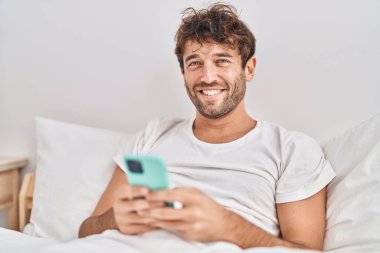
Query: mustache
pixel 200 86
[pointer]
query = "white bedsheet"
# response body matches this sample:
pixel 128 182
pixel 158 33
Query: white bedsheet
pixel 113 241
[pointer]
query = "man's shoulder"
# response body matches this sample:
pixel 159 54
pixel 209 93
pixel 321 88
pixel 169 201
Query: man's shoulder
pixel 156 129
pixel 288 136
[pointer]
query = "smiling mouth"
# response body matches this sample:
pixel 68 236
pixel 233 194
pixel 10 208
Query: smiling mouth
pixel 211 92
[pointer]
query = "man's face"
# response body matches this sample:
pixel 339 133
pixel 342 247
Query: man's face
pixel 214 78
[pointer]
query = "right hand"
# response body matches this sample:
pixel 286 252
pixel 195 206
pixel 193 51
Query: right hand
pixel 128 200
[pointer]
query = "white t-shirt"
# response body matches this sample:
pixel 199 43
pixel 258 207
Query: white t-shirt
pixel 248 176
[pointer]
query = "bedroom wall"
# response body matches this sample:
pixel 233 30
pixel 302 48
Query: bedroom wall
pixel 110 64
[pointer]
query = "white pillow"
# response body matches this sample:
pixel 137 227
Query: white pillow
pixel 353 206
pixel 73 169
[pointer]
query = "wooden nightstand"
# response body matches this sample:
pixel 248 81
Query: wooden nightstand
pixel 25 199
pixel 9 186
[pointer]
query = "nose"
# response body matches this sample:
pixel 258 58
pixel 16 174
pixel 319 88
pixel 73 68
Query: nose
pixel 209 73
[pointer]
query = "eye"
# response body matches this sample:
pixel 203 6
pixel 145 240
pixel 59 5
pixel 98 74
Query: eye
pixel 194 64
pixel 223 61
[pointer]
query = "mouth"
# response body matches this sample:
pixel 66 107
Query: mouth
pixel 211 92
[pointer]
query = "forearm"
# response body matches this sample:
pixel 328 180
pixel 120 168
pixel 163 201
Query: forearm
pixel 247 235
pixel 98 224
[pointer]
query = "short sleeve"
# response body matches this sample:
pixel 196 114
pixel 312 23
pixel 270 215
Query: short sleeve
pixel 304 170
pixel 128 147
pixel 143 141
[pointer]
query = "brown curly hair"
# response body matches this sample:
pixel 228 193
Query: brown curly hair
pixel 218 23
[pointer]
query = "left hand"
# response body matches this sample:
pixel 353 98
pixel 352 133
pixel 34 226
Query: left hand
pixel 200 218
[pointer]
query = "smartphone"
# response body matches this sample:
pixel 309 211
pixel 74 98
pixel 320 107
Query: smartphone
pixel 149 171
pixel 146 170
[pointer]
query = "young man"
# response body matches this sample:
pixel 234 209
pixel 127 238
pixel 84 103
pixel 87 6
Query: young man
pixel 244 181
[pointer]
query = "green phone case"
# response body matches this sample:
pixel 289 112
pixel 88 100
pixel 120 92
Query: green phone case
pixel 146 170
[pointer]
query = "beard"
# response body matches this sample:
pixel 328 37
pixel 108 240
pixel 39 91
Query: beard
pixel 235 93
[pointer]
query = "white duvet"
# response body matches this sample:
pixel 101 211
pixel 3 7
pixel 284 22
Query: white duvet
pixel 353 210
pixel 113 241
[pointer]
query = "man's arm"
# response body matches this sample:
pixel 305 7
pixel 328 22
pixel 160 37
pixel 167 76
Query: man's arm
pixel 102 217
pixel 117 208
pixel 302 223
pixel 98 224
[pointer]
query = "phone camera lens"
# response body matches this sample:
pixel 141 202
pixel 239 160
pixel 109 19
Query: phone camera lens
pixel 135 166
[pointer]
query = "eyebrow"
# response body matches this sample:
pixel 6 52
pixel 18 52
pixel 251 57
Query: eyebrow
pixel 190 57
pixel 226 55
pixel 193 56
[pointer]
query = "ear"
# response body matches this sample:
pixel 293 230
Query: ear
pixel 250 68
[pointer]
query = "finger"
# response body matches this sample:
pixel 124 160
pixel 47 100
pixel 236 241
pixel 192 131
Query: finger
pixel 136 229
pixel 131 192
pixel 126 206
pixel 184 195
pixel 176 226
pixel 165 213
pixel 156 204
pixel 134 219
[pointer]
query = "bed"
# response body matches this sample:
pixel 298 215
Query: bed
pixel 75 164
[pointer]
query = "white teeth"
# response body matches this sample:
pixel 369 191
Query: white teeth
pixel 211 92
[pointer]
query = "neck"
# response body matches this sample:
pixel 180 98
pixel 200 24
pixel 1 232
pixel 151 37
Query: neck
pixel 228 128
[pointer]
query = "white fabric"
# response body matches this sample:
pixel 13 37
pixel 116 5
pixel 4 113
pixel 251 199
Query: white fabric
pixel 249 176
pixel 74 166
pixel 353 206
pixel 115 242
